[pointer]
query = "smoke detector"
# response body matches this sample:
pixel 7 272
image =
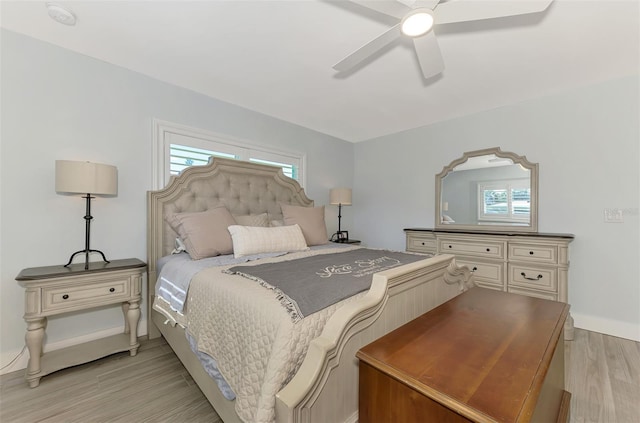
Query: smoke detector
pixel 60 14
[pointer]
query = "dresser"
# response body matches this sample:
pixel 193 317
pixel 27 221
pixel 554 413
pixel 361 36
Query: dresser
pixel 533 264
pixel 484 356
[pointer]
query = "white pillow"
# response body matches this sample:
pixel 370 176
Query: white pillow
pixel 249 240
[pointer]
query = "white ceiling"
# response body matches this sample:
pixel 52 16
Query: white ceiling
pixel 276 57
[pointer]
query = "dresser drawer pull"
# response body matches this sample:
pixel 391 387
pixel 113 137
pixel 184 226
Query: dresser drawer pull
pixel 450 246
pixel 474 268
pixel 112 290
pixel 422 243
pixel 488 250
pixel 524 275
pixel 65 297
pixel 531 253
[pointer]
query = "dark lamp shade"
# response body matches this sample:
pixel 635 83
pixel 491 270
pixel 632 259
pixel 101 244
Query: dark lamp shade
pixel 86 178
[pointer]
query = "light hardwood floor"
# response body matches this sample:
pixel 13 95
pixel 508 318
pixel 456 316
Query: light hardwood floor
pixel 603 375
pixel 153 386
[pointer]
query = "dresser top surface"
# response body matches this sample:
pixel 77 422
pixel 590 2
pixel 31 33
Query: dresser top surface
pixel 486 351
pixel 488 232
pixel 59 271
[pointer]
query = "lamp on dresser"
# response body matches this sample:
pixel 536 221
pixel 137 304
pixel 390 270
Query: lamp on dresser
pixel 340 197
pixel 74 177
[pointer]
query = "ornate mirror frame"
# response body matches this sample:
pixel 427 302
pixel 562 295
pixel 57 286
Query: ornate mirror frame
pixel 507 228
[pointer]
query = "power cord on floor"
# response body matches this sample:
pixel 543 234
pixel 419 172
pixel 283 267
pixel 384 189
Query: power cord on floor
pixel 15 358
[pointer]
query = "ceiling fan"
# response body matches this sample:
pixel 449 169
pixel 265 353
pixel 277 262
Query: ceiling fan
pixel 417 18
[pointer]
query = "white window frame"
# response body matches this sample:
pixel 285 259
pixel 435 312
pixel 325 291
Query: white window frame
pixel 166 133
pixel 508 186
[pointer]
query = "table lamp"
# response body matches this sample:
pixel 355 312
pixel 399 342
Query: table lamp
pixel 340 197
pixel 73 177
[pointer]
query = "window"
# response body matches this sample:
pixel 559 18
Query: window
pixel 504 201
pixel 178 147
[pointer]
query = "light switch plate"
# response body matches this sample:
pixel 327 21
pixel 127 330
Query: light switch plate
pixel 613 216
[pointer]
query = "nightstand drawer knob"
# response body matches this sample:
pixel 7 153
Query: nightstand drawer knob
pixel 474 268
pixel 530 252
pixel 112 290
pixel 488 250
pixel 65 297
pixel 422 243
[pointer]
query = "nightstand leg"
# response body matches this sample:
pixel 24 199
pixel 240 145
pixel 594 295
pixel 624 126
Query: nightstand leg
pixel 133 315
pixel 125 311
pixel 33 339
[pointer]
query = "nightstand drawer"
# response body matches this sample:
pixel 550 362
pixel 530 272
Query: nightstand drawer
pixel 533 277
pixel 534 253
pixel 492 249
pixel 102 292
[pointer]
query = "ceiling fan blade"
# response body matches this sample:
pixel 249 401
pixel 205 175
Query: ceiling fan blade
pixel 426 4
pixel 368 49
pixel 408 3
pixel 473 10
pixel 429 56
pixel 386 7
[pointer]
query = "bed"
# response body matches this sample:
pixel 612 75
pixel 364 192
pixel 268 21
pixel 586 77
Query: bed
pixel 324 386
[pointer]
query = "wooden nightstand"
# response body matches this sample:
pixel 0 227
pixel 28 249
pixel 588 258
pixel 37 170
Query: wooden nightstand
pixel 347 241
pixel 53 290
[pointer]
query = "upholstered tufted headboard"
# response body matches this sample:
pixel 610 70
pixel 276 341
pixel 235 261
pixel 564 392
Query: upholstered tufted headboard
pixel 243 187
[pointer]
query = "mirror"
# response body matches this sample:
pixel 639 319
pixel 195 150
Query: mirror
pixel 488 190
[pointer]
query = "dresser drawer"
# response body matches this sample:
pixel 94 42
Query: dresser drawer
pixel 421 244
pixel 538 253
pixel 536 277
pixel 531 293
pixel 107 291
pixel 485 273
pixel 481 248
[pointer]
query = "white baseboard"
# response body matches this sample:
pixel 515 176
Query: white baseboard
pixel 21 357
pixel 607 326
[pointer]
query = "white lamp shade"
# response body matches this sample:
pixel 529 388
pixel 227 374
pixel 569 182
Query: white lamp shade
pixel 340 196
pixel 86 178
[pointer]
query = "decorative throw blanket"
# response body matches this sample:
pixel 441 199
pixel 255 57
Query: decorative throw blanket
pixel 307 285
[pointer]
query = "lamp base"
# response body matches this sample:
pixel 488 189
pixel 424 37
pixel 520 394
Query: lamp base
pixel 340 236
pixel 86 260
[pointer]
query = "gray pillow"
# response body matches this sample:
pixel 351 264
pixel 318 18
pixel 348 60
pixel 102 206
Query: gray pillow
pixel 310 220
pixel 204 233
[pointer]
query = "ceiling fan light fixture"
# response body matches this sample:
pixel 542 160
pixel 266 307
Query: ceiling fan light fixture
pixel 418 22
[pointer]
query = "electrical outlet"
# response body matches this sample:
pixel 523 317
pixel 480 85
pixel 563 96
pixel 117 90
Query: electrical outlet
pixel 613 216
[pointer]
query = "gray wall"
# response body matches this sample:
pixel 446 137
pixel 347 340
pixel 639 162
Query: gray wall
pixel 57 104
pixel 586 142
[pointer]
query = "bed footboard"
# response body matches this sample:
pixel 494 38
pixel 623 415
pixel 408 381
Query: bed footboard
pixel 325 388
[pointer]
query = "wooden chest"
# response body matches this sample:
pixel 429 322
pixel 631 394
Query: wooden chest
pixel 484 356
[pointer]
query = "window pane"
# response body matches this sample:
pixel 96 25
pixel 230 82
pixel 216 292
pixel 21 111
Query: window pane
pixel 182 156
pixel 495 201
pixel 521 204
pixel 288 169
